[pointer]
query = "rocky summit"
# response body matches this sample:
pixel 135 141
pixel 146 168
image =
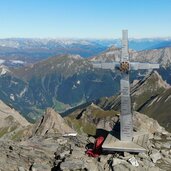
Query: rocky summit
pixel 51 144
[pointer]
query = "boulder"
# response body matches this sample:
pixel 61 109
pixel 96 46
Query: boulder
pixel 155 157
pixel 51 122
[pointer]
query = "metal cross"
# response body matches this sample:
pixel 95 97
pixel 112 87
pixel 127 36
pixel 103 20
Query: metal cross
pixel 126 123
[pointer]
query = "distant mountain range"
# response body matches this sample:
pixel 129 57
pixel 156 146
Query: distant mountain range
pixel 29 51
pixel 66 81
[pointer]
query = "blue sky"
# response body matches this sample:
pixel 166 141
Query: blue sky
pixel 84 18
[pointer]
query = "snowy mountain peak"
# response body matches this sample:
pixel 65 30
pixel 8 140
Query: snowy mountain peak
pixel 3 70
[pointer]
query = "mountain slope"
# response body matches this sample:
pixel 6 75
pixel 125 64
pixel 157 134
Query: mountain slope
pixel 149 96
pixel 12 124
pixel 6 111
pixel 67 81
pixel 159 109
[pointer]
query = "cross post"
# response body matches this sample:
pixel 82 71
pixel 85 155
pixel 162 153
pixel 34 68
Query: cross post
pixel 125 66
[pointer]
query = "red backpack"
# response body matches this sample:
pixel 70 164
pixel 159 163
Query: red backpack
pixel 97 149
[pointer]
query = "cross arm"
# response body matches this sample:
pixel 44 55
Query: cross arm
pixel 106 65
pixel 139 65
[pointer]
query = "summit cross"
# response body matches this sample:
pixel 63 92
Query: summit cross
pixel 125 66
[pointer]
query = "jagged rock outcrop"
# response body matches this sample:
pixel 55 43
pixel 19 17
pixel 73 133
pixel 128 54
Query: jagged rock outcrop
pixel 51 122
pixel 148 88
pixel 6 111
pixel 162 56
pixel 143 123
pixel 12 124
pixel 92 119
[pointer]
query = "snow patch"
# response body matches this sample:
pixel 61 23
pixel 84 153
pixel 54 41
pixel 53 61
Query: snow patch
pixel 2 61
pixel 23 92
pixel 17 62
pixel 3 69
pixel 152 102
pixel 169 97
pixel 78 82
pixel 12 97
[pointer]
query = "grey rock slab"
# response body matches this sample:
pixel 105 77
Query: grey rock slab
pixel 158 144
pixel 64 154
pixel 166 145
pixel 143 155
pixel 40 167
pixel 73 164
pixel 165 153
pixel 117 161
pixel 21 169
pixel 155 157
pixel 91 139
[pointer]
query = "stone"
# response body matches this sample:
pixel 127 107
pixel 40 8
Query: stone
pixel 157 136
pixel 142 156
pixel 69 165
pixel 49 122
pixel 117 161
pixel 166 145
pixel 126 154
pixel 167 160
pixel 40 167
pixel 155 157
pixel 158 145
pixel 148 163
pixel 133 161
pixel 77 153
pixel 62 141
pixel 93 165
pixel 21 169
pixel 64 154
pixel 91 139
pixel 168 137
pixel 165 153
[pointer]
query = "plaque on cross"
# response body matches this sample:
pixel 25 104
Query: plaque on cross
pixel 125 66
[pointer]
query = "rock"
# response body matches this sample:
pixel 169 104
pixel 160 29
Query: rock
pixel 40 167
pixel 64 154
pixel 92 165
pixel 144 123
pixel 158 145
pixel 133 161
pixel 166 145
pixel 49 122
pixel 62 151
pixel 148 163
pixel 157 137
pixel 69 165
pixel 126 154
pixel 167 160
pixel 61 141
pixel 142 156
pixel 165 153
pixel 117 161
pixel 78 153
pixel 21 169
pixel 168 137
pixel 155 157
pixel 153 150
pixel 91 139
